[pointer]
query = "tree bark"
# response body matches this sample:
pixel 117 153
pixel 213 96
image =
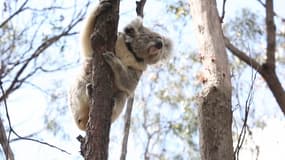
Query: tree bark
pixel 215 115
pixel 103 39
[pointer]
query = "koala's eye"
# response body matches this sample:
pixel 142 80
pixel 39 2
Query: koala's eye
pixel 130 31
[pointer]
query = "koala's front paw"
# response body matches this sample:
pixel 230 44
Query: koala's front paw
pixel 105 4
pixel 109 57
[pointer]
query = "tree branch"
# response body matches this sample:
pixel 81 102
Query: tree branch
pixel 265 71
pixel 127 128
pixel 14 14
pixel 17 82
pixel 139 10
pixel 140 7
pixel 5 143
pixel 11 130
pixel 248 103
pixel 223 11
pixel 37 52
pixel 271 34
pixel 242 55
pixel 275 14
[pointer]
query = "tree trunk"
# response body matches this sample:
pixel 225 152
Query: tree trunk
pixel 215 115
pixel 103 39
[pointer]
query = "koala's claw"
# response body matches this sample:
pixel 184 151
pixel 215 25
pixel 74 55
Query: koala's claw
pixel 109 57
pixel 89 89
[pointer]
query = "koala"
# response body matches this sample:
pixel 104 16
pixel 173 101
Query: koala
pixel 136 48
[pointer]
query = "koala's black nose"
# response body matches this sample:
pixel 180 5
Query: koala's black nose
pixel 158 44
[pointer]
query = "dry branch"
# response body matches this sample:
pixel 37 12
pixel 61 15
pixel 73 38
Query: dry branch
pixel 127 128
pixel 11 130
pixel 5 143
pixel 242 55
pixel 266 70
pixel 139 10
pixel 223 11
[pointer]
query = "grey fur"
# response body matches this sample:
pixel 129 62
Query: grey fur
pixel 144 47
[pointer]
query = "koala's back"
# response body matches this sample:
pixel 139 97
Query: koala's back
pixel 79 101
pixel 136 48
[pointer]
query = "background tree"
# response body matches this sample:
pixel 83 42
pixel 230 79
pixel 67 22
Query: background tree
pixel 215 115
pixel 266 69
pixel 164 120
pixel 257 39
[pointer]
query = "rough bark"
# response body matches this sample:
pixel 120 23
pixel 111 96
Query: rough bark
pixel 103 39
pixel 215 115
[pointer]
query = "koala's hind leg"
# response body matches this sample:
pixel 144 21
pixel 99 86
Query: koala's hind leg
pixel 126 79
pixel 119 103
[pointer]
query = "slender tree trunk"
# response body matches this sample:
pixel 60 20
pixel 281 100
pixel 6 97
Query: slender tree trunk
pixel 275 86
pixel 5 143
pixel 103 39
pixel 215 115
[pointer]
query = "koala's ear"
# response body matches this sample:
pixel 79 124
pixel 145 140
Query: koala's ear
pixel 133 27
pixel 130 31
pixel 137 23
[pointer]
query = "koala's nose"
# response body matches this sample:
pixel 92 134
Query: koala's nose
pixel 158 44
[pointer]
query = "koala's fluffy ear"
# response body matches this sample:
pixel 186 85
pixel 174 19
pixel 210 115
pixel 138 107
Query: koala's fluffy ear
pixel 134 26
pixel 168 47
pixel 137 23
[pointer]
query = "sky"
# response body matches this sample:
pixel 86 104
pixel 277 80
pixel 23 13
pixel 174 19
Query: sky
pixel 270 147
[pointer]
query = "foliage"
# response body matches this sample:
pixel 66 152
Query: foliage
pixel 247 31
